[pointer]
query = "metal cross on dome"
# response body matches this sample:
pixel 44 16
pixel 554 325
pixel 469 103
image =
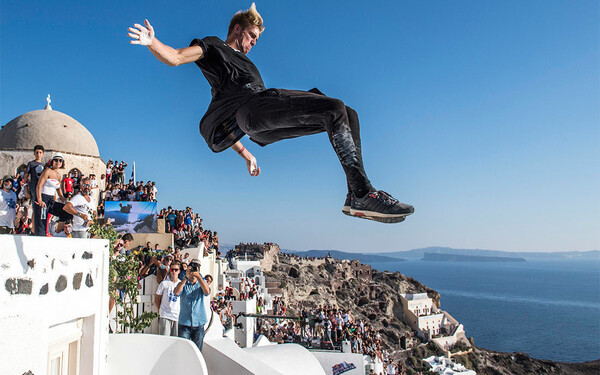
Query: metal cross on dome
pixel 48 101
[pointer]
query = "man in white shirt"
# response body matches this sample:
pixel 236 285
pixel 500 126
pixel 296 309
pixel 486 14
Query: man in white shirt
pixel 83 208
pixel 8 206
pixel 154 189
pixel 167 302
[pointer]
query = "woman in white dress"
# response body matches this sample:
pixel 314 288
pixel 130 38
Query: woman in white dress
pixel 48 186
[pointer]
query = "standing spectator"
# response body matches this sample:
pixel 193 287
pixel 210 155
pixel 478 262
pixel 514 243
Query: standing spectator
pixel 192 317
pixel 154 189
pixel 47 187
pixel 76 180
pixel 8 206
pixel 83 208
pixel 121 172
pixel 188 219
pixel 167 302
pixel 102 184
pixel 67 185
pixel 109 167
pixel 95 187
pixel 33 171
pixel 171 216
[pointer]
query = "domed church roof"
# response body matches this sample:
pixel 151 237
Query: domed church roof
pixel 52 129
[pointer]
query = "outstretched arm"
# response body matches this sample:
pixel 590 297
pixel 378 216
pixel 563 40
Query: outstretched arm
pixel 253 168
pixel 145 36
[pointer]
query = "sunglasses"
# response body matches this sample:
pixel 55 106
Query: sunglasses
pixel 175 269
pixel 86 185
pixel 57 160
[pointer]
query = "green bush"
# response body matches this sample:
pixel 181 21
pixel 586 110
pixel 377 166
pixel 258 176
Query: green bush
pixel 123 276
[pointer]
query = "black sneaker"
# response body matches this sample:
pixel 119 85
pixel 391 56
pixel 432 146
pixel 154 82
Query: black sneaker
pixel 346 211
pixel 380 206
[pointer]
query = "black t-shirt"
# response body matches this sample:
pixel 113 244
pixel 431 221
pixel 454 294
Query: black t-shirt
pixel 34 169
pixel 233 79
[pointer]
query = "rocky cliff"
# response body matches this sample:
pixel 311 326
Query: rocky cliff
pixel 374 296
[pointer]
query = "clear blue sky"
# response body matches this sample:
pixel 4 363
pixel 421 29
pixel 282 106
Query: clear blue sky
pixel 482 114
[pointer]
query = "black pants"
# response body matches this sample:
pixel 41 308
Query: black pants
pixel 52 208
pixel 278 114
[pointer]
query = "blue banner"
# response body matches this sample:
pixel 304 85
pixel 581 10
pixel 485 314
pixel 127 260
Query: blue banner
pixel 131 217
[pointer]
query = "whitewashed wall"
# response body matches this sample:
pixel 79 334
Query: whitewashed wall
pixel 47 282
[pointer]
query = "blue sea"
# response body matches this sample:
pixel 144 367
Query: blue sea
pixel 549 309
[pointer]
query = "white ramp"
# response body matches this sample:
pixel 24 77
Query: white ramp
pixel 289 359
pixel 144 354
pixel 336 362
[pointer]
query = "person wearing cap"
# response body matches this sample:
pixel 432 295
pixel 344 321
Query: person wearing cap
pixel 8 206
pixel 47 187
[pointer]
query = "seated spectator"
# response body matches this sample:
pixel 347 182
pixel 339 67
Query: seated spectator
pixel 83 208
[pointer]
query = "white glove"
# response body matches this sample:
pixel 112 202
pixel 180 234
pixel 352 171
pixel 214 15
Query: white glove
pixel 142 35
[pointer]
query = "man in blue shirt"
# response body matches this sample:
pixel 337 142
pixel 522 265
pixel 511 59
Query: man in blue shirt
pixel 192 315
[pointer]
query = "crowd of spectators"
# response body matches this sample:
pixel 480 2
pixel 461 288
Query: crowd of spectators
pixel 139 191
pixel 188 231
pixel 43 200
pixel 221 305
pixel 19 213
pixel 325 327
pixel 298 257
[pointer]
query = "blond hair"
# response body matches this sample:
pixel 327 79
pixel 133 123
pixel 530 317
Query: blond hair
pixel 246 18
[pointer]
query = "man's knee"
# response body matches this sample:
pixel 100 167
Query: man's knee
pixel 338 106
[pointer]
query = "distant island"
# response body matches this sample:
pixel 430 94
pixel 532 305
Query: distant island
pixel 417 254
pixel 438 257
pixel 529 255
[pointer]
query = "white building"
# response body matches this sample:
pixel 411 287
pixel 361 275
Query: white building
pixel 430 322
pixel 53 306
pixel 445 366
pixel 422 315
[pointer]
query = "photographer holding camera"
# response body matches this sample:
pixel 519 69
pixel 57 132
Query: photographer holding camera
pixel 192 315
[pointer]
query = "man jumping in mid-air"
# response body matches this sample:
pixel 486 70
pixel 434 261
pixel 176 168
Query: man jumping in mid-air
pixel 242 105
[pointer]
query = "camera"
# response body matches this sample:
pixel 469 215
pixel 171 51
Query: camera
pixel 194 265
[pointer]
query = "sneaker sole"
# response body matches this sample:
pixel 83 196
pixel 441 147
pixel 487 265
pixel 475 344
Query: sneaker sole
pixel 372 214
pixel 387 220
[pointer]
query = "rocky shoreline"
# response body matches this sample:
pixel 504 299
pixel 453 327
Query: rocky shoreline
pixel 374 296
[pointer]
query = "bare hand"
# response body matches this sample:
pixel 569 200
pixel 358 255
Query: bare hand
pixel 41 203
pixel 84 217
pixel 253 168
pixel 141 35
